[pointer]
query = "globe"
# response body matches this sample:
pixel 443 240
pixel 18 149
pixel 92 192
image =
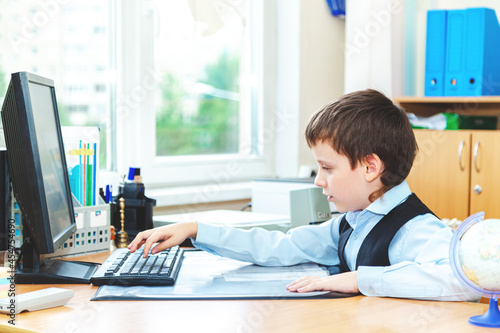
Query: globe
pixel 475 260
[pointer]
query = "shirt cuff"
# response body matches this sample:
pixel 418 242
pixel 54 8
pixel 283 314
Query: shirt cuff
pixel 370 282
pixel 207 236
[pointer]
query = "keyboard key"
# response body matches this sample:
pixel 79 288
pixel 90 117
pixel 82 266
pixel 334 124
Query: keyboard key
pixel 138 266
pixel 126 268
pixel 165 271
pixel 158 264
pixel 168 262
pixel 147 266
pixel 113 268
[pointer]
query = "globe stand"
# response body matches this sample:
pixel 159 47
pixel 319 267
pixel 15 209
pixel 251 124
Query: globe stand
pixel 491 318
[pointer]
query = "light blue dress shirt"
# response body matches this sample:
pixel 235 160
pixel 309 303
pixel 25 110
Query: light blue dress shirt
pixel 419 252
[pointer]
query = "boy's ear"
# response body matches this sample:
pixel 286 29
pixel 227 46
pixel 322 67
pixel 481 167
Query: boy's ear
pixel 373 167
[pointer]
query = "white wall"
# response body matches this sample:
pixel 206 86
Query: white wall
pixel 310 73
pixel 374 46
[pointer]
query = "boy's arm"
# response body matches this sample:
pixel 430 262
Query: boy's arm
pixel 167 236
pixel 267 248
pixel 316 243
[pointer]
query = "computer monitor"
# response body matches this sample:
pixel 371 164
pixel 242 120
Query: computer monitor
pixel 38 171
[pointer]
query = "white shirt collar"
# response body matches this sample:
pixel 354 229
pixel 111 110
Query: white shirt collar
pixel 390 199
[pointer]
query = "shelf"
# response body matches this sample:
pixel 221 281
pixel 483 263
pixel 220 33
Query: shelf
pixel 429 106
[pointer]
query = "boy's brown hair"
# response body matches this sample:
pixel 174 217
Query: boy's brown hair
pixel 363 123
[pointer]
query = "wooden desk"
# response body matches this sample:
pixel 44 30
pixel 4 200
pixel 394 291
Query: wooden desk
pixel 355 314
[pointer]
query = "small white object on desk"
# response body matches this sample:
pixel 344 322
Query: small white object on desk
pixel 36 300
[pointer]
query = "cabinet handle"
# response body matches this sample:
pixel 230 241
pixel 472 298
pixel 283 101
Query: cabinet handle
pixel 460 150
pixel 475 153
pixel 478 189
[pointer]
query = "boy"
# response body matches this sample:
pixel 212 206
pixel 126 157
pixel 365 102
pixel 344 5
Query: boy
pixel 386 244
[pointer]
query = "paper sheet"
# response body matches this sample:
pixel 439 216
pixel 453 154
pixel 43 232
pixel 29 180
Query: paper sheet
pixel 260 273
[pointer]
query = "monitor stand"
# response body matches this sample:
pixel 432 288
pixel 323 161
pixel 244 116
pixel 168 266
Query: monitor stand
pixel 32 270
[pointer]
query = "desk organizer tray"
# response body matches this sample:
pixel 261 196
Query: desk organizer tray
pixel 93 232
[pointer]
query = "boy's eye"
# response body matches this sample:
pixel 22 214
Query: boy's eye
pixel 324 167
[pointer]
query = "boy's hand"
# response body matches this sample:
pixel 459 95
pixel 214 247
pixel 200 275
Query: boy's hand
pixel 167 236
pixel 343 282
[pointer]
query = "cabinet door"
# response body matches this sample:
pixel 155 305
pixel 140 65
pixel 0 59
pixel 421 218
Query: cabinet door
pixel 440 173
pixel 485 173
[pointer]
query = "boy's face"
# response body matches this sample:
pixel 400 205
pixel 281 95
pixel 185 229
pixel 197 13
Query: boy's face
pixel 348 189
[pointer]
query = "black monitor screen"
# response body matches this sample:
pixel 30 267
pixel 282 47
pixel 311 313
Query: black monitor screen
pixel 36 160
pixel 49 150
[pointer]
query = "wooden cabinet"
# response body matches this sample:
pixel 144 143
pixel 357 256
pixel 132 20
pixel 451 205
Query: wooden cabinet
pixel 457 173
pixel 485 174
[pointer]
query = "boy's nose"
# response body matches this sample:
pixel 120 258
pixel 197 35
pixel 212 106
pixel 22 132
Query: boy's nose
pixel 319 181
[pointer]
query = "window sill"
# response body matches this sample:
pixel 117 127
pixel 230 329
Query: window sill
pixel 200 194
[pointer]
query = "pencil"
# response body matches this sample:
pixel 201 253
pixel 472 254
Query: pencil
pixel 94 175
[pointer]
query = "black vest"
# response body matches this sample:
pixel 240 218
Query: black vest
pixel 374 250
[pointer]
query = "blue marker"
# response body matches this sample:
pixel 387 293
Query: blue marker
pixel 108 198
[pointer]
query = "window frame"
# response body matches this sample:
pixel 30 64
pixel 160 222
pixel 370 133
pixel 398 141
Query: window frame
pixel 135 114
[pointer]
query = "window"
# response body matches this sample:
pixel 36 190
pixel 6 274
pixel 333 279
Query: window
pixel 56 40
pixel 199 55
pixel 196 100
pixel 177 86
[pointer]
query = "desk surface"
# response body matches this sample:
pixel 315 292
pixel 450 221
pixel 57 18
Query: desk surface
pixel 355 314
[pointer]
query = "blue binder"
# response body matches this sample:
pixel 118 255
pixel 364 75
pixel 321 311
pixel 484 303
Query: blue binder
pixel 481 53
pixel 435 52
pixel 454 63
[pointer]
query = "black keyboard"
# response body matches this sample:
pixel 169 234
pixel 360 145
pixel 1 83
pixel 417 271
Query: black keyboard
pixel 131 269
